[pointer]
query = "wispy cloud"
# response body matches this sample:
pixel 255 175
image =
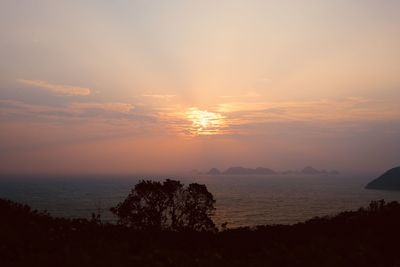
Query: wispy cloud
pixel 325 110
pixel 159 96
pixel 247 95
pixel 76 109
pixel 56 88
pixel 114 107
pixel 245 117
pixel 232 117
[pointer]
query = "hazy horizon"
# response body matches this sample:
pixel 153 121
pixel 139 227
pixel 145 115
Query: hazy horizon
pixel 169 86
pixel 179 174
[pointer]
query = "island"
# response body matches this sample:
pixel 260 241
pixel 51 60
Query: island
pixel 214 171
pixel 248 171
pixel 242 171
pixel 390 180
pixel 238 170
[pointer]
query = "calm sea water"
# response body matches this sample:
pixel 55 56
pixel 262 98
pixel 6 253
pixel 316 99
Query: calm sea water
pixel 241 201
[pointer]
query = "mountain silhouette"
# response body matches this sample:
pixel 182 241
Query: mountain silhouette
pixel 214 171
pixel 238 170
pixel 310 170
pixel 390 180
pixel 248 171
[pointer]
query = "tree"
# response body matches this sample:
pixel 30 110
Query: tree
pixel 167 206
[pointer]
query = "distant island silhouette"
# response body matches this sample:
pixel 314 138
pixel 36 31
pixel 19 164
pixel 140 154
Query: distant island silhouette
pixel 237 170
pixel 248 171
pixel 390 180
pixel 214 171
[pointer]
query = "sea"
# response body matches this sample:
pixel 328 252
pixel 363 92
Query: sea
pixel 240 200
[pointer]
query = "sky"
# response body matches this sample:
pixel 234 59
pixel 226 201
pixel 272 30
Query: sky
pixel 163 86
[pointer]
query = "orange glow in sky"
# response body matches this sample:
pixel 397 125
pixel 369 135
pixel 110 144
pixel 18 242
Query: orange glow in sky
pixel 139 86
pixel 205 122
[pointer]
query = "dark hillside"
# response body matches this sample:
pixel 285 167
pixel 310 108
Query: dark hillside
pixel 367 237
pixel 390 180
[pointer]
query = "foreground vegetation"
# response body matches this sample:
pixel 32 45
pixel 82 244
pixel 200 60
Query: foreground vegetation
pixel 168 224
pixel 367 237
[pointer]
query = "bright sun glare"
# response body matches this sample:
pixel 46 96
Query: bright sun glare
pixel 205 122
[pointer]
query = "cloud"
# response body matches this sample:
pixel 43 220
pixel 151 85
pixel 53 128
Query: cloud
pixel 57 88
pixel 76 109
pixel 241 96
pixel 256 117
pixel 113 107
pixel 232 117
pixel 18 108
pixel 159 96
pixel 350 109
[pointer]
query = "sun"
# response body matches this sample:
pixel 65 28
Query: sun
pixel 205 122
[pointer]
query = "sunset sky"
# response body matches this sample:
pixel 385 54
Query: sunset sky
pixel 162 86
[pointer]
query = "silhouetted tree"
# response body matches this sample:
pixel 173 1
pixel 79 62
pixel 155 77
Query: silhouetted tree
pixel 198 204
pixel 167 206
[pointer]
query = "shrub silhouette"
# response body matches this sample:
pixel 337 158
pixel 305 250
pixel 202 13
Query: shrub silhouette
pixel 366 237
pixel 167 206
